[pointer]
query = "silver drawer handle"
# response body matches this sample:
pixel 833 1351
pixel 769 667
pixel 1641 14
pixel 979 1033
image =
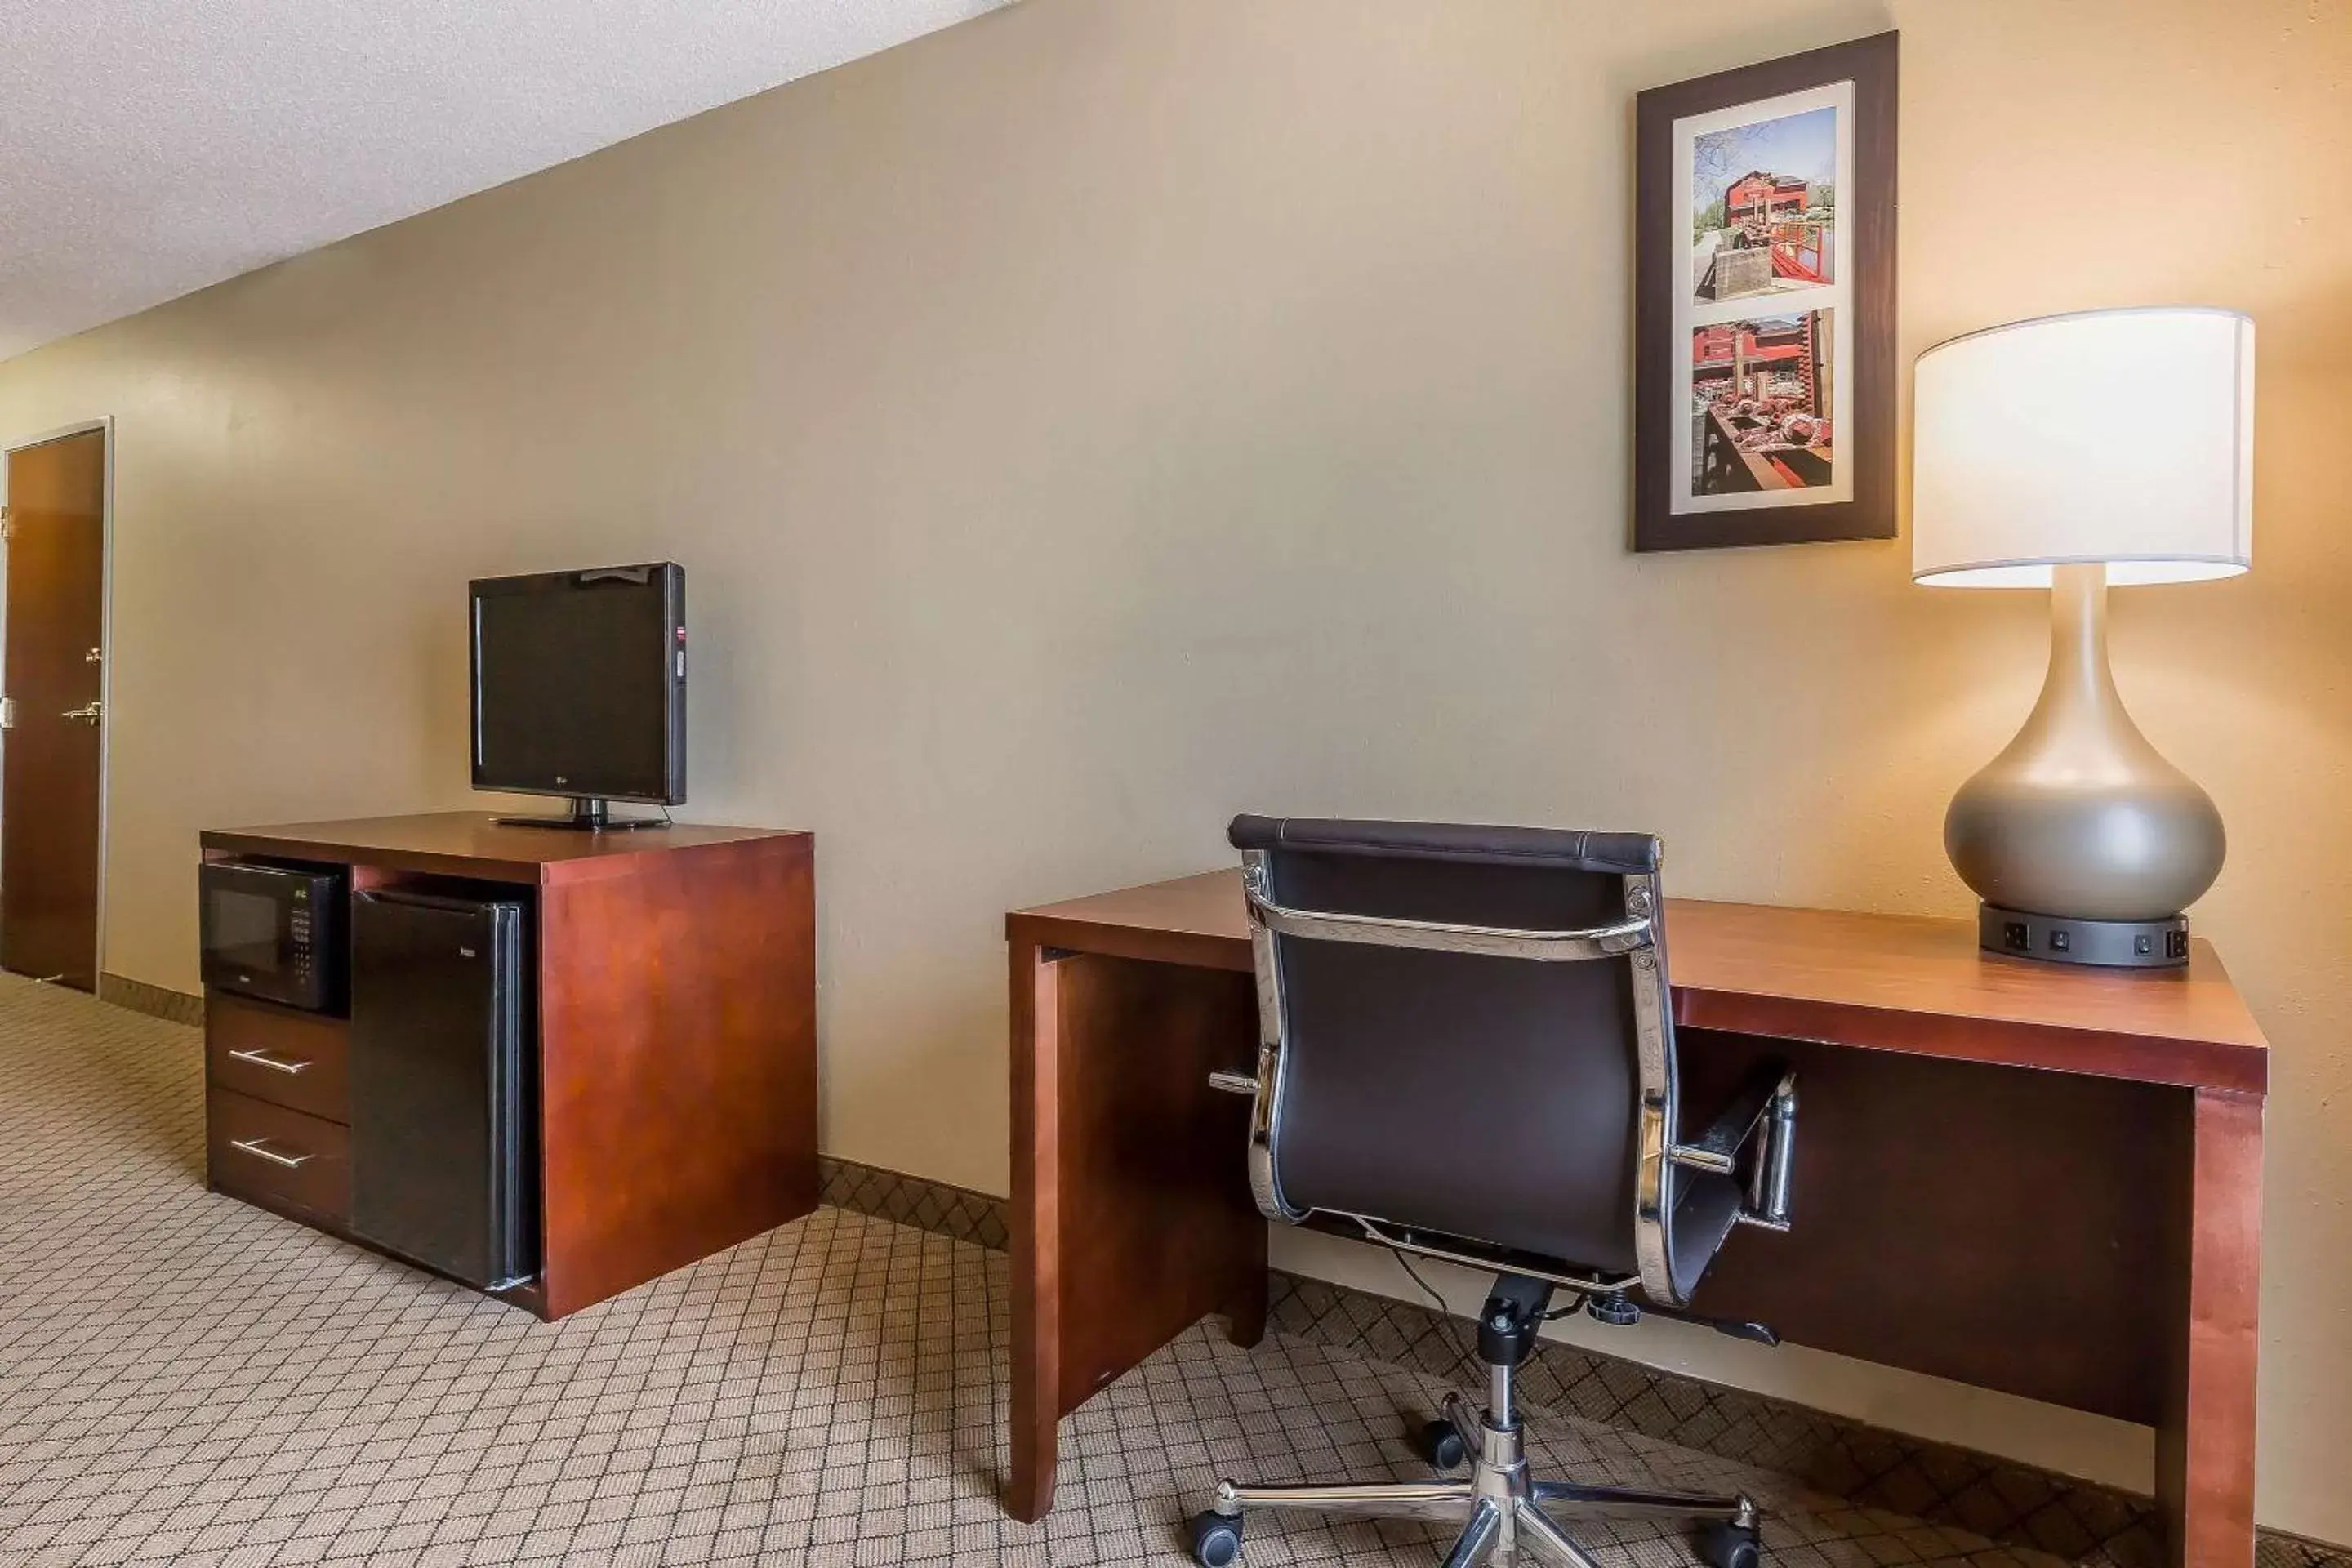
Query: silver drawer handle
pixel 255 1147
pixel 262 1059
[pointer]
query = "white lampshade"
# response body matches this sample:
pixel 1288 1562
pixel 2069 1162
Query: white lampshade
pixel 2119 436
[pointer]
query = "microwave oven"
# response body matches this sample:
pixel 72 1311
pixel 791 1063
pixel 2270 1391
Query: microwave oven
pixel 275 932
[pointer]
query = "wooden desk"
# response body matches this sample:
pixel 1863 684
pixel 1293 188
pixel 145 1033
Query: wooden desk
pixel 2041 1180
pixel 675 994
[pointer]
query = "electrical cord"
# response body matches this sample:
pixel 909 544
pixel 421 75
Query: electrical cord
pixel 1426 1289
pixel 1447 1322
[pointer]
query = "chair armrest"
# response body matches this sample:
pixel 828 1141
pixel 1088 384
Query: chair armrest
pixel 1760 1121
pixel 1717 1148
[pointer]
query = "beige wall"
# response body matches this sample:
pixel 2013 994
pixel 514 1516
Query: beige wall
pixel 1113 414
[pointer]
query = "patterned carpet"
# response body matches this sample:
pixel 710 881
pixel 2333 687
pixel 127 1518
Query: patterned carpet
pixel 187 1379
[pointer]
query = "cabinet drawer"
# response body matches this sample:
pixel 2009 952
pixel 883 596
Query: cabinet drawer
pixel 279 1158
pixel 299 1060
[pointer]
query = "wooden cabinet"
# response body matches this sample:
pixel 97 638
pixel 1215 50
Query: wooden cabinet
pixel 675 981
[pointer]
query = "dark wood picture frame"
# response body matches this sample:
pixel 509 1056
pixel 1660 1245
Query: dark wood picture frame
pixel 1666 253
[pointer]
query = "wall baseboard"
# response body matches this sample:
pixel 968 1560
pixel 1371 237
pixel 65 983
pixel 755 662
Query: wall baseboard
pixel 928 1206
pixel 1869 1466
pixel 155 1001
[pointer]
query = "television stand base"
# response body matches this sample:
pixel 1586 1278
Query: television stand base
pixel 588 815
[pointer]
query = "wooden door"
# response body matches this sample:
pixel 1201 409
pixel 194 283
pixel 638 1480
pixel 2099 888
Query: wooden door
pixel 53 672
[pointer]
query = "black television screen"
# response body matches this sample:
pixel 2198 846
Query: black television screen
pixel 579 683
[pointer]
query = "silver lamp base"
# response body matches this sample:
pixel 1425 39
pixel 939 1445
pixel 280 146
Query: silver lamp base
pixel 2080 832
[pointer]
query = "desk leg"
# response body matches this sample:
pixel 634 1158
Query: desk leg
pixel 1131 1213
pixel 2205 1450
pixel 1036 1233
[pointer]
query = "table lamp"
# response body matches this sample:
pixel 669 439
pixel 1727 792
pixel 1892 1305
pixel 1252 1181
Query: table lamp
pixel 2072 452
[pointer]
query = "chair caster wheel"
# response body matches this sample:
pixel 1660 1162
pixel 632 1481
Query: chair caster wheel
pixel 1725 1545
pixel 1217 1540
pixel 1440 1444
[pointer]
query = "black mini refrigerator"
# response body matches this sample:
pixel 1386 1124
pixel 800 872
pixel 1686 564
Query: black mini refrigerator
pixel 443 1091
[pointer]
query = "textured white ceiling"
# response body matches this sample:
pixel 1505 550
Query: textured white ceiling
pixel 151 147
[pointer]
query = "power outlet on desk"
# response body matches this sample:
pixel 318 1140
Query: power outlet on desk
pixel 2018 937
pixel 2107 944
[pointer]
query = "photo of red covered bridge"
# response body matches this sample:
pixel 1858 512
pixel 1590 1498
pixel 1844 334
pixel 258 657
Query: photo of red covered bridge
pixel 1764 199
pixel 1761 402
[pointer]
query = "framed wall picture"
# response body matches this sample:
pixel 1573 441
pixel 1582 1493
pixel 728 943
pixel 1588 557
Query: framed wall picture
pixel 1764 303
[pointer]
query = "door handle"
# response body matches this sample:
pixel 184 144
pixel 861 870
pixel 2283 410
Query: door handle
pixel 258 1148
pixel 262 1059
pixel 89 714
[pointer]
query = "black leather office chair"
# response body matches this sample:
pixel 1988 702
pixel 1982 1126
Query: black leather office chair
pixel 1467 1053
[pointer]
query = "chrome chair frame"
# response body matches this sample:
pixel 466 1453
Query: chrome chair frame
pixel 1503 1513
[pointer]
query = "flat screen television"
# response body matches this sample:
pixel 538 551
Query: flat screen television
pixel 579 683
